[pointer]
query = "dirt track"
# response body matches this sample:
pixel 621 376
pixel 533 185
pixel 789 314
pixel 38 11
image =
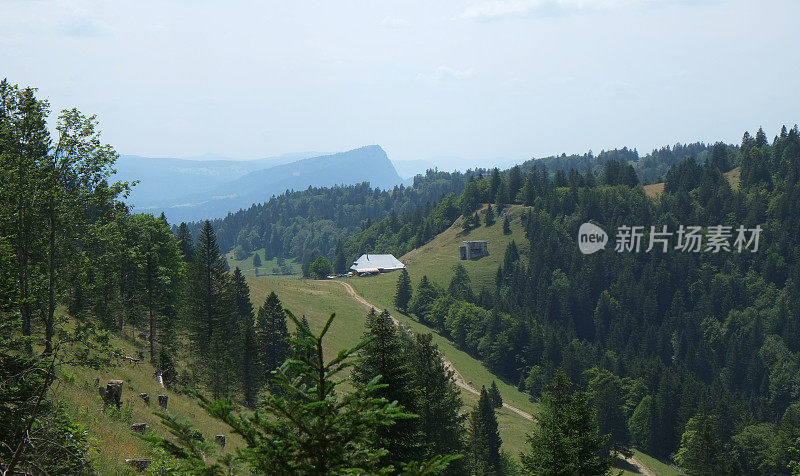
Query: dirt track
pixel 633 461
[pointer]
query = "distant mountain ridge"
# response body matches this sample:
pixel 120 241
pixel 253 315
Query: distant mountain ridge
pixel 194 190
pixel 161 179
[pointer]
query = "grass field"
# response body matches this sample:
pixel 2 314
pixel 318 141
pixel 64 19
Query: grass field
pixel 734 177
pixel 654 190
pixel 267 268
pixel 437 258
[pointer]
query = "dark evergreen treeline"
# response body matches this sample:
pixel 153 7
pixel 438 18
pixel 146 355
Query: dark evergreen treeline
pixel 658 340
pixel 650 168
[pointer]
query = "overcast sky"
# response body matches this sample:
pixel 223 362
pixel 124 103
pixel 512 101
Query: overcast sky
pixel 516 78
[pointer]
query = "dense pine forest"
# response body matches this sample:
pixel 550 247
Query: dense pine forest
pixel 691 357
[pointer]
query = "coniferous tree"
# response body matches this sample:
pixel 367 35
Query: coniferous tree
pixel 476 220
pixel 249 353
pixel 494 184
pixel 566 439
pixel 186 242
pixel 514 183
pixel 488 218
pixel 439 404
pixel 607 395
pixel 466 223
pixel 211 313
pixel 761 138
pixel 701 452
pixel 502 198
pixel 494 395
pixel 256 260
pixel 386 355
pixel 460 284
pixel 506 226
pixel 403 293
pixel 511 256
pixel 339 260
pixel 161 265
pixel 423 299
pixel 273 335
pixel 483 438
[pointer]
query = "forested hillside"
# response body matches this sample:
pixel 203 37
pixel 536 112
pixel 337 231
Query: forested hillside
pixel 686 354
pixel 310 223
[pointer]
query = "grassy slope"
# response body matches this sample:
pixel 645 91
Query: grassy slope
pixel 110 430
pixel 655 465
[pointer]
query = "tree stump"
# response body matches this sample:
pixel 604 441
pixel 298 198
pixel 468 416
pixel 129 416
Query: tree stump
pixel 112 393
pixel 139 464
pixel 163 400
pixel 220 440
pixel 146 398
pixel 140 428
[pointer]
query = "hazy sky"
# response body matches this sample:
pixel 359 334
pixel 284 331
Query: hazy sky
pixel 497 78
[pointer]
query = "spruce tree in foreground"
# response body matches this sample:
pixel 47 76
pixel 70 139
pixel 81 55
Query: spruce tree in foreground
pixel 317 429
pixel 403 294
pixel 386 356
pixel 566 440
pixel 273 335
pixel 483 438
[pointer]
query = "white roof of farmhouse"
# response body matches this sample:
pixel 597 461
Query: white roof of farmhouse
pixel 370 263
